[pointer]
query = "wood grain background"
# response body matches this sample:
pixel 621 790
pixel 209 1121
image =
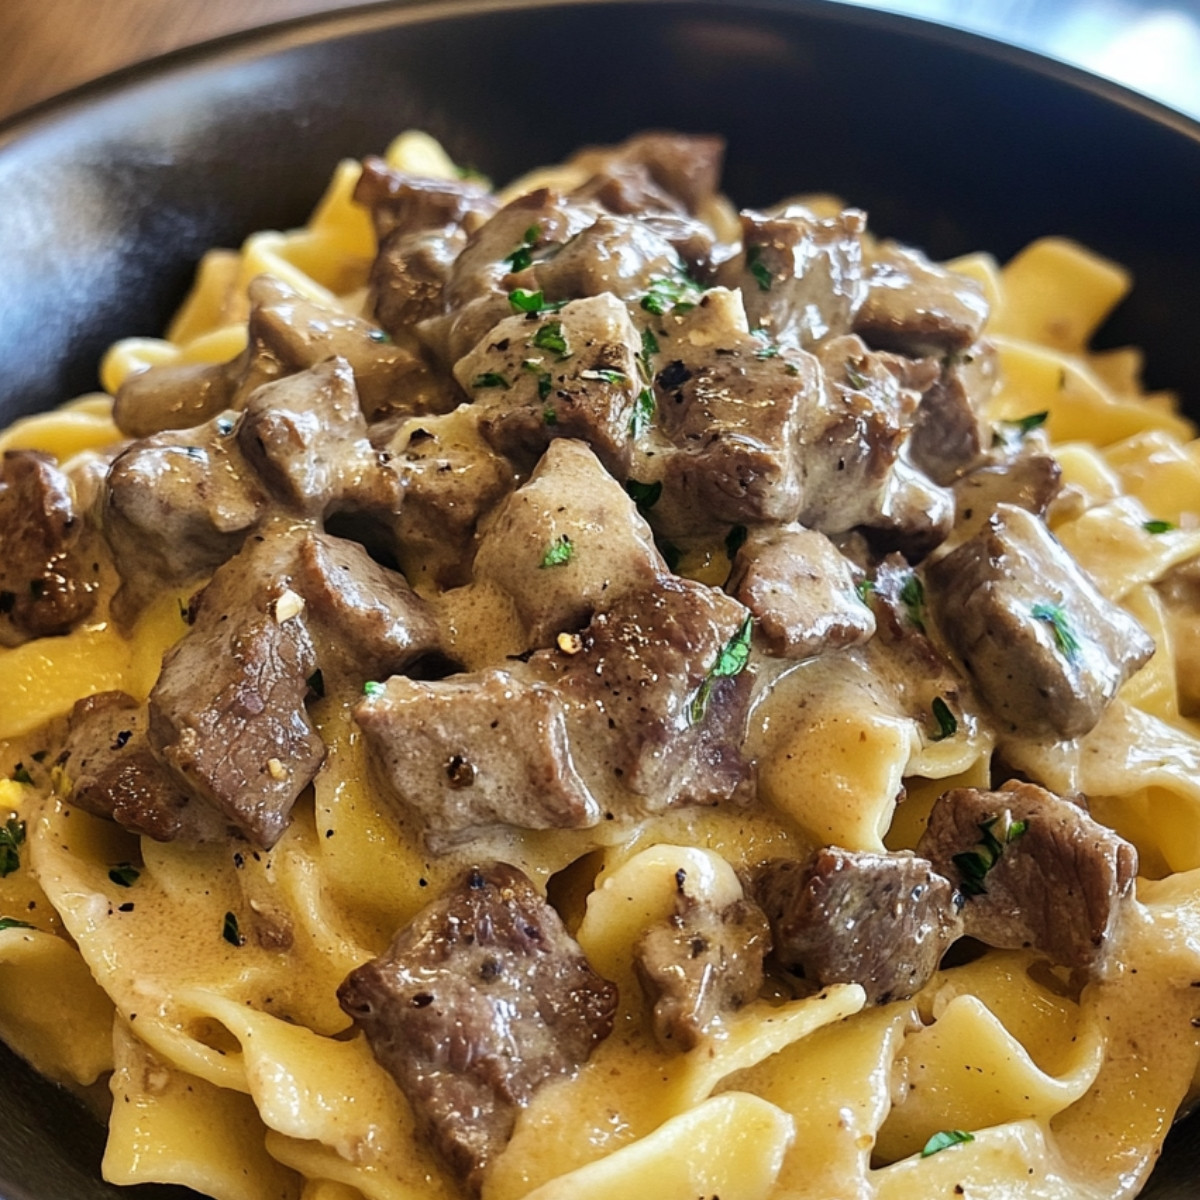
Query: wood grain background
pixel 47 46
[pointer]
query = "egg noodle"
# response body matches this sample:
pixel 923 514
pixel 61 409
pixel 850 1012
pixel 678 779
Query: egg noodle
pixel 232 1066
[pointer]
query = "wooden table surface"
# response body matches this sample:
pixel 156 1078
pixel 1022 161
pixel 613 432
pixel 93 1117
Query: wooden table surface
pixel 47 46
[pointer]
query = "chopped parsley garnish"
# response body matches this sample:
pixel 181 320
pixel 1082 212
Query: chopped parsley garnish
pixel 644 495
pixel 666 294
pixel 12 835
pixel 316 683
pixel 765 352
pixel 735 539
pixel 13 923
pixel 945 1139
pixel 947 722
pixel 373 688
pixel 649 350
pixel 758 268
pixel 378 335
pixel 559 552
pixel 865 589
pixel 533 366
pixel 21 774
pixel 1060 625
pixel 124 875
pixel 912 596
pixel 604 374
pixel 521 301
pixel 522 257
pixel 643 413
pixel 1027 424
pixel 973 865
pixel 230 931
pixel 490 379
pixel 856 378
pixel 1158 526
pixel 550 337
pixel 549 416
pixel 731 660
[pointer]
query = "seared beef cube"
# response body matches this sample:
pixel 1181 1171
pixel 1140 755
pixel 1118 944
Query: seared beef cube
pixel 1036 869
pixel 843 916
pixel 1046 650
pixel 700 964
pixel 732 415
pixel 47 583
pixel 484 749
pixel 916 307
pixel 479 1001
pixel 567 544
pixel 1027 480
pixel 415 203
pixel 296 334
pixel 686 167
pixel 950 432
pixel 409 275
pixel 227 714
pixel 114 774
pixel 450 479
pixel 801 591
pixel 657 696
pixel 914 515
pixel 497 259
pixel 365 620
pixel 306 437
pixel 621 255
pixel 800 275
pixel 567 374
pixel 178 505
pixel 176 395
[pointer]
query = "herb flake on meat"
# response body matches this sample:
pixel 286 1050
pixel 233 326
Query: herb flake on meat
pixel 490 379
pixel 522 301
pixel 946 720
pixel 1060 626
pixel 1158 526
pixel 678 294
pixel 550 337
pixel 12 836
pixel 758 268
pixel 643 413
pixel 731 660
pixel 973 865
pixel 373 688
pixel 522 257
pixel 912 596
pixel 559 552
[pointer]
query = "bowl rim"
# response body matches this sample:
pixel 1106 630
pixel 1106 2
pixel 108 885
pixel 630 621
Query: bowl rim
pixel 279 36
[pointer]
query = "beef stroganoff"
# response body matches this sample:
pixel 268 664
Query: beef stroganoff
pixel 576 690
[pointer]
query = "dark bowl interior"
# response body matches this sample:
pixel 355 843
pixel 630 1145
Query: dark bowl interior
pixel 953 143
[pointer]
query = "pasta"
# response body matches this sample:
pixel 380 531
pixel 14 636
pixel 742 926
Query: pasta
pixel 201 971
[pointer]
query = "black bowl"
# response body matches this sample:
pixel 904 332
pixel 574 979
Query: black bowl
pixel 109 196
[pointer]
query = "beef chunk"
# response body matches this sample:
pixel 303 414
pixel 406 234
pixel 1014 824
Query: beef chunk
pixel 176 395
pixel 306 437
pixel 700 964
pixel 47 582
pixel 800 275
pixel 732 415
pixel 621 255
pixel 450 478
pixel 950 432
pixel 567 374
pixel 499 257
pixel 917 307
pixel 422 225
pixel 843 916
pixel 657 696
pixel 227 714
pixel 413 203
pixel 851 451
pixel 1037 870
pixel 1046 650
pixel 1027 480
pixel 178 505
pixel 475 750
pixel 567 544
pixel 801 591
pixel 479 1001
pixel 686 168
pixel 115 774
pixel 365 621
